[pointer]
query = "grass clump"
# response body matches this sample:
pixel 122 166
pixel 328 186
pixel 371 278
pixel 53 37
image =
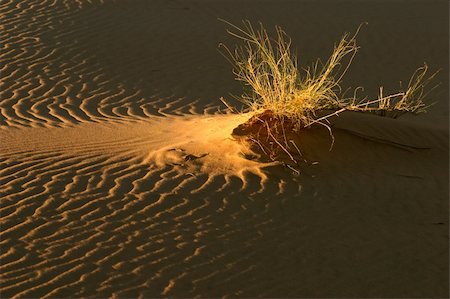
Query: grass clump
pixel 269 70
pixel 284 98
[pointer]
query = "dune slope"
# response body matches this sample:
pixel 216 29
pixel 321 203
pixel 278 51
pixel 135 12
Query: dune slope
pixel 119 175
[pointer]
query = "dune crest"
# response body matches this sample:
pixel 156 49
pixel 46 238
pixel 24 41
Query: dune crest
pixel 192 143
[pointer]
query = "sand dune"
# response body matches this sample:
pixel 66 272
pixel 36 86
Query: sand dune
pixel 120 177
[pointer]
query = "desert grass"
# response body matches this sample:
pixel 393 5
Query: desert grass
pixel 274 83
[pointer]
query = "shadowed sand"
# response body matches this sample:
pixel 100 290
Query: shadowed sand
pixel 120 176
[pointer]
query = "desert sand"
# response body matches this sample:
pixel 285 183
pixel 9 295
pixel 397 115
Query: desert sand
pixel 120 177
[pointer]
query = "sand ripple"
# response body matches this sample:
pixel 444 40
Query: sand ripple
pixel 110 187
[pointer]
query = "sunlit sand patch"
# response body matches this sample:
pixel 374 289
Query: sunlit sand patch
pixel 204 144
pixel 192 144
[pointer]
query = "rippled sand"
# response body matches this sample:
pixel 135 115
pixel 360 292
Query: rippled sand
pixel 120 177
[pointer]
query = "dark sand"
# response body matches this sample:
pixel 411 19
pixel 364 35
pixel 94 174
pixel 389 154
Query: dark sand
pixel 118 176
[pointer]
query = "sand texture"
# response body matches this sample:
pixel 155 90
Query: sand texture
pixel 119 175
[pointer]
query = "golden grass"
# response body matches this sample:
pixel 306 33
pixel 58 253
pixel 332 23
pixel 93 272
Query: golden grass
pixel 269 70
pixel 282 97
